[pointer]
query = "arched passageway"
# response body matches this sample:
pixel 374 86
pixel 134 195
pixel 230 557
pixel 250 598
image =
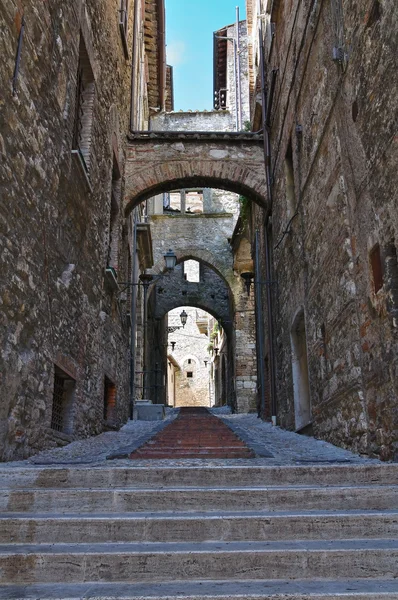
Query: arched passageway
pixel 210 295
pixel 161 164
pixel 205 235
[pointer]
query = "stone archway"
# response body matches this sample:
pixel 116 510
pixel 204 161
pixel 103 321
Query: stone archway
pixel 159 163
pixel 212 294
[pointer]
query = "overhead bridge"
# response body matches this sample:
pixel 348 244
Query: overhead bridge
pixel 161 161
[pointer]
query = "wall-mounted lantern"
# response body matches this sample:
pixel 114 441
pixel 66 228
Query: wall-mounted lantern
pixel 170 260
pixel 184 318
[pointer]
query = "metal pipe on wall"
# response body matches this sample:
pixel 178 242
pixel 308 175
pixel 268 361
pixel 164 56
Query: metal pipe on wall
pixel 133 61
pixel 238 74
pixel 271 335
pixel 145 338
pixel 260 329
pixel 266 117
pixel 236 84
pixel 162 53
pixel 133 313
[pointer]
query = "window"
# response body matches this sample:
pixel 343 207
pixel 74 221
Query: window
pixel 113 242
pixel 123 24
pixel 190 374
pixel 289 181
pixel 63 397
pixel 190 201
pixel 84 106
pixel 194 201
pixel 109 400
pixel 172 202
pixel 377 269
pixel 189 361
pixel 192 271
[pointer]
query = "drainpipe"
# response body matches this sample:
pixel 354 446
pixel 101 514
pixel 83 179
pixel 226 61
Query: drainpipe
pixel 236 85
pixel 133 313
pixel 260 330
pixel 271 335
pixel 133 60
pixel 145 378
pixel 238 75
pixel 266 112
pixel 162 53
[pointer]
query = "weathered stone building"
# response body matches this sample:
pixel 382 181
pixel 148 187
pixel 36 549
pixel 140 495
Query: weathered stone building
pixel 331 224
pixel 66 81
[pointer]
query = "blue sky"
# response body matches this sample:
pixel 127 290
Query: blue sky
pixel 190 25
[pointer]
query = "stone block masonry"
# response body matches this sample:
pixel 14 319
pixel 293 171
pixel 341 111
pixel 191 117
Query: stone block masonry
pixel 60 325
pixel 334 222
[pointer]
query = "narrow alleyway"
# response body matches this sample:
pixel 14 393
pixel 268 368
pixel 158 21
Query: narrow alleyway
pixel 194 434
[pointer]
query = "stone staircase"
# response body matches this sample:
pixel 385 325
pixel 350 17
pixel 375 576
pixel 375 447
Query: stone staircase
pixel 203 532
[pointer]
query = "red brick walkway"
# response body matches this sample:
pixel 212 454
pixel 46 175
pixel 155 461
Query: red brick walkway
pixel 195 433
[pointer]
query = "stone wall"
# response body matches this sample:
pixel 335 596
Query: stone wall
pixel 334 220
pixel 59 316
pixel 216 120
pixel 244 74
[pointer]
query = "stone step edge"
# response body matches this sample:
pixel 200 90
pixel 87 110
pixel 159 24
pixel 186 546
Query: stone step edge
pixel 229 488
pixel 199 515
pixel 211 547
pixel 356 589
pixel 311 467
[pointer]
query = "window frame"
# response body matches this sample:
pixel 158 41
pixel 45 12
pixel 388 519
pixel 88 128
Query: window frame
pixel 124 25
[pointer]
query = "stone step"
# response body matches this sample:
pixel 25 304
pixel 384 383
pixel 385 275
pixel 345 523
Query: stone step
pixel 200 527
pixel 343 589
pixel 200 499
pixel 202 474
pixel 205 452
pixel 79 563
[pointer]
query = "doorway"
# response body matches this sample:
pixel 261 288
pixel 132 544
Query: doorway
pixel 301 386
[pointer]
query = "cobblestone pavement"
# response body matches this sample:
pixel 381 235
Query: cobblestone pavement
pixel 286 446
pixel 272 445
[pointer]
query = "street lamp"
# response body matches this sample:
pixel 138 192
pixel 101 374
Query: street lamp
pixel 248 279
pixel 183 318
pixel 170 260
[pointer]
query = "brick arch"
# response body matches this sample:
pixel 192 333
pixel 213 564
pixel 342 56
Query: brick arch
pixel 157 165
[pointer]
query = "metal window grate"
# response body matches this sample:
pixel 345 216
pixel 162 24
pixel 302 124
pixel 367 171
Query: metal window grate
pixel 57 417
